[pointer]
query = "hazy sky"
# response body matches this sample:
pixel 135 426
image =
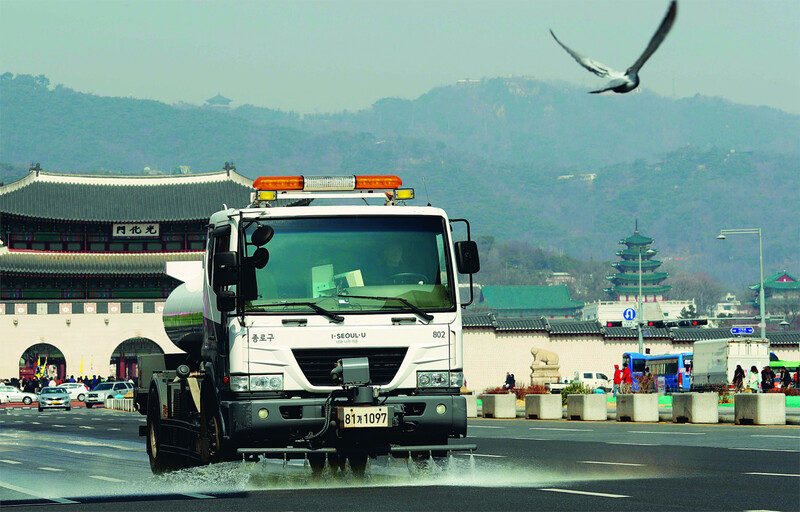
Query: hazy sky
pixel 332 55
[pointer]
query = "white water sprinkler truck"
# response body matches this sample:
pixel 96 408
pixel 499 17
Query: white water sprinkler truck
pixel 327 332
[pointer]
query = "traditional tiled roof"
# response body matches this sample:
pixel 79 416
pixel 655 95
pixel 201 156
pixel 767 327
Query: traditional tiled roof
pixel 218 100
pixel 571 327
pixel 646 277
pixel 634 289
pixel 96 264
pixel 476 321
pixel 784 338
pixel 529 297
pixel 520 324
pixel 634 264
pixel 779 281
pixel 637 239
pixel 627 332
pixel 633 253
pixel 46 195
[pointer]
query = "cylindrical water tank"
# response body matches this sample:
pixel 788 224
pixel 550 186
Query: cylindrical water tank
pixel 183 318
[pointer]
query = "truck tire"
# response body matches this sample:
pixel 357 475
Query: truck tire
pixel 159 462
pixel 358 462
pixel 89 406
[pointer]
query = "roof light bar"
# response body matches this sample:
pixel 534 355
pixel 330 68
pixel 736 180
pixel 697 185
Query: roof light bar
pixel 327 183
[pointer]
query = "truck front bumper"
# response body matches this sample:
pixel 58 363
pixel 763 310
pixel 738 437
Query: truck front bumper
pixel 428 419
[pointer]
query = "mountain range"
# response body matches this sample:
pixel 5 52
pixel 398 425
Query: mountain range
pixel 539 162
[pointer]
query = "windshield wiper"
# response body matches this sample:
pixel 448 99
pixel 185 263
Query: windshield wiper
pixel 412 307
pixel 322 311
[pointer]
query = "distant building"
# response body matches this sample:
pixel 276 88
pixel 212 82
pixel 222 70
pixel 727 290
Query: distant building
pixel 731 306
pixel 781 293
pixel 557 278
pixel 625 286
pixel 514 301
pixel 218 101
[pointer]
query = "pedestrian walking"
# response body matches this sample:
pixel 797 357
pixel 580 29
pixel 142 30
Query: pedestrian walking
pixel 627 380
pixel 767 379
pixel 617 379
pixel 753 380
pixel 738 379
pixel 786 378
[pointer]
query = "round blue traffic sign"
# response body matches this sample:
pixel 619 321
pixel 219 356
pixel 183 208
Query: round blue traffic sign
pixel 629 314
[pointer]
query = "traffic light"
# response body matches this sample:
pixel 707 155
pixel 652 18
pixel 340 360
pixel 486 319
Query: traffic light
pixel 692 323
pixel 654 323
pixel 613 324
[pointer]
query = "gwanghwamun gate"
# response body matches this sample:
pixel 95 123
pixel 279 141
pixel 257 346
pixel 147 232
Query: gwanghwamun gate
pixel 82 283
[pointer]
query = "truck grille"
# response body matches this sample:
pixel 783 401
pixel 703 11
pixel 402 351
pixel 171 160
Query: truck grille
pixel 317 363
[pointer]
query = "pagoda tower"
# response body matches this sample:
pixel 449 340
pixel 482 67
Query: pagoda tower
pixel 626 280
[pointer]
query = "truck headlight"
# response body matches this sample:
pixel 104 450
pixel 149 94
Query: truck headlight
pixel 273 382
pixel 239 383
pixel 439 379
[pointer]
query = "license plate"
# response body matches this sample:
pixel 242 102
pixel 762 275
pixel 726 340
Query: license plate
pixel 359 417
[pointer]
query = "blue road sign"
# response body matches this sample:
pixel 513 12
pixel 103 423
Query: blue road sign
pixel 629 314
pixel 742 330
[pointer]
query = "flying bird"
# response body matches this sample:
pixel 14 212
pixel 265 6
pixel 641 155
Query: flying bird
pixel 628 81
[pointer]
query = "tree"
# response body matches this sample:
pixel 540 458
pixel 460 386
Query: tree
pixel 688 312
pixel 698 286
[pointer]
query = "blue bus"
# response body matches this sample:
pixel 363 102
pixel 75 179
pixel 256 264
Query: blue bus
pixel 671 372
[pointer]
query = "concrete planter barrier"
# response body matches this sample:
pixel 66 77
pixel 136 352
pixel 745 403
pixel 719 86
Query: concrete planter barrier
pixel 499 406
pixel 760 409
pixel 587 407
pixel 472 406
pixel 637 407
pixel 695 408
pixel 543 407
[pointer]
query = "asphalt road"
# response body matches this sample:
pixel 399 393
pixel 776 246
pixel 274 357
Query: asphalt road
pixel 94 460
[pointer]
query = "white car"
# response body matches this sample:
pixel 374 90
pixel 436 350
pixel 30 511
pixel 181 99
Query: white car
pixel 104 390
pixel 596 380
pixel 17 395
pixel 76 390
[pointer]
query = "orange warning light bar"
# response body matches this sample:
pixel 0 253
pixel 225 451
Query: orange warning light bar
pixel 327 183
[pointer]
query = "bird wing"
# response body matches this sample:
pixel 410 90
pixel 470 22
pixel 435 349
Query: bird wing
pixel 595 67
pixel 658 37
pixel 610 86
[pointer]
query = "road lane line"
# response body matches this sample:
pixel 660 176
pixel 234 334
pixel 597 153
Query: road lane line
pixel 772 474
pixel 482 455
pixel 764 450
pixel 59 426
pixel 35 423
pixel 199 496
pixel 30 492
pixel 610 463
pixel 587 493
pixel 529 438
pixel 106 478
pixel 766 435
pixel 84 426
pixel 10 461
pixel 45 468
pixel 482 426
pixel 667 433
pixel 562 428
pixel 113 429
pixel 633 444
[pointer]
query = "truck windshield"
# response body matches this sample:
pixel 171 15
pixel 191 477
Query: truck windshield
pixel 344 264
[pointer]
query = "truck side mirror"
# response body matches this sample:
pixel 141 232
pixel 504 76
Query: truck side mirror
pixel 262 235
pixel 226 301
pixel 467 259
pixel 226 269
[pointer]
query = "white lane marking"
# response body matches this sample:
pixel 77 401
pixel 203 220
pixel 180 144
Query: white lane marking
pixel 59 426
pixel 772 474
pixel 106 478
pixel 610 463
pixel 199 496
pixel 30 492
pixel 764 450
pixel 117 429
pixel 766 435
pixel 633 444
pixel 10 461
pixel 84 426
pixel 586 493
pixel 482 455
pixel 529 438
pixel 482 426
pixel 50 469
pixel 667 433
pixel 562 429
pixel 35 423
pixel 18 421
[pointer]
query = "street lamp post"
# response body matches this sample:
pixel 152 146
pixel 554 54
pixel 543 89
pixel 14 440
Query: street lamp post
pixel 639 311
pixel 762 323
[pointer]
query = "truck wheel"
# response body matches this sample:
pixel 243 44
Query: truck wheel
pixel 89 406
pixel 159 461
pixel 317 463
pixel 358 462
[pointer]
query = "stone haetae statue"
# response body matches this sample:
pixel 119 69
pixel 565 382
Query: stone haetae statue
pixel 545 366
